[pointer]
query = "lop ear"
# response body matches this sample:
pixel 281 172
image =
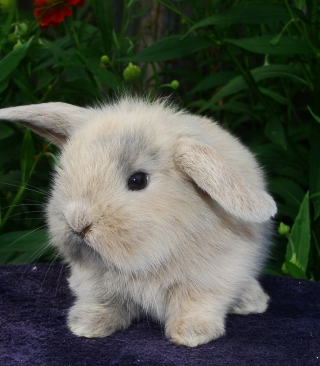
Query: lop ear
pixel 54 121
pixel 214 175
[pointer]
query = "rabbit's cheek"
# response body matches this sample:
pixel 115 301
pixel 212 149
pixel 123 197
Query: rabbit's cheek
pixel 117 244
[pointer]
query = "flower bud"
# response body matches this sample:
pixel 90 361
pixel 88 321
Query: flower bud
pixel 104 59
pixel 23 28
pixel 131 73
pixel 174 84
pixel 17 45
pixel 6 5
pixel 284 269
pixel 12 37
pixel 283 229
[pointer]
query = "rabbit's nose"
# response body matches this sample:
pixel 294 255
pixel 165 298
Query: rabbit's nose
pixel 78 218
pixel 85 230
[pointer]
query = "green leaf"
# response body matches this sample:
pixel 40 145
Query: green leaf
pixel 41 255
pixel 44 60
pixel 243 109
pixel 286 165
pixel 5 131
pixel 260 73
pixel 27 246
pixel 72 60
pixel 299 4
pixel 74 73
pixel 7 179
pixel 6 27
pixel 276 39
pixel 300 236
pixel 288 192
pixel 55 159
pixel 90 54
pixel 23 241
pixel 10 150
pixel 295 271
pixel 271 272
pixel 81 88
pixel 313 115
pixel 27 156
pixel 104 76
pixel 10 62
pixel 18 257
pixel 275 96
pixel 275 132
pixel 169 48
pixel 248 14
pixel 3 85
pixel 23 82
pixel 314 172
pixel 285 46
pixel 103 12
pixel 44 80
pixel 213 80
pixel 60 49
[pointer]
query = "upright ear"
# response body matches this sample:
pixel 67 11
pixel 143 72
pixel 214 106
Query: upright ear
pixel 214 175
pixel 54 121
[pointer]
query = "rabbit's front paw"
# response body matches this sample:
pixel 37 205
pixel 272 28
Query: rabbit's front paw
pixel 92 320
pixel 192 332
pixel 252 300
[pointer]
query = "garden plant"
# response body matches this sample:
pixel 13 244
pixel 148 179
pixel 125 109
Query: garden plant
pixel 252 65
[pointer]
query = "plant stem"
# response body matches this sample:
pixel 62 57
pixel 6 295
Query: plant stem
pixel 175 10
pixel 20 192
pixel 45 95
pixel 156 75
pixel 124 26
pixel 252 84
pixel 73 33
pixel 300 30
pixel 15 201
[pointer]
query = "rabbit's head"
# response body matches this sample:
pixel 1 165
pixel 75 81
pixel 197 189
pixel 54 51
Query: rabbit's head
pixel 136 180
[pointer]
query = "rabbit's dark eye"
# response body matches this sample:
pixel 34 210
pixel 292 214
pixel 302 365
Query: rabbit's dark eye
pixel 138 181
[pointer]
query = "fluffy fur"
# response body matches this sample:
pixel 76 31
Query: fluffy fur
pixel 186 250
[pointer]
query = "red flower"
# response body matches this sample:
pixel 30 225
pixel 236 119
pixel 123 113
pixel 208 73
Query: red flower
pixel 77 3
pixel 53 12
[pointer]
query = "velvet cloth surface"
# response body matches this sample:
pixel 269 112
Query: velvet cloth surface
pixel 34 300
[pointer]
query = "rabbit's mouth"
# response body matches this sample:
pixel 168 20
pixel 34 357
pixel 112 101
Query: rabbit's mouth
pixel 79 249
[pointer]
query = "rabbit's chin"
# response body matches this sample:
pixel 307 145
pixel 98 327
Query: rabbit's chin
pixel 104 254
pixel 76 250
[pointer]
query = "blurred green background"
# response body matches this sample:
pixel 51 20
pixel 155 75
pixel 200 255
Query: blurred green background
pixel 252 65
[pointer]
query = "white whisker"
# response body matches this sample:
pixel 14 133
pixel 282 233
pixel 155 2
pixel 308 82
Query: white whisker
pixel 30 232
pixel 24 219
pixel 36 254
pixel 23 204
pixel 31 186
pixel 19 186
pixel 28 212
pixel 49 267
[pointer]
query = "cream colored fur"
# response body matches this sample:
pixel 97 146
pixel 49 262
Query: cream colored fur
pixel 186 250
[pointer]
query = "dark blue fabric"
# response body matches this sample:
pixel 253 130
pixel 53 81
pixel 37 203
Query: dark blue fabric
pixel 33 307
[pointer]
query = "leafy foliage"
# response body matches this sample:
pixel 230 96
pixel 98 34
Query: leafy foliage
pixel 252 65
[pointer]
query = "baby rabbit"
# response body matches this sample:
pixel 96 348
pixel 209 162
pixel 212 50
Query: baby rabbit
pixel 156 211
